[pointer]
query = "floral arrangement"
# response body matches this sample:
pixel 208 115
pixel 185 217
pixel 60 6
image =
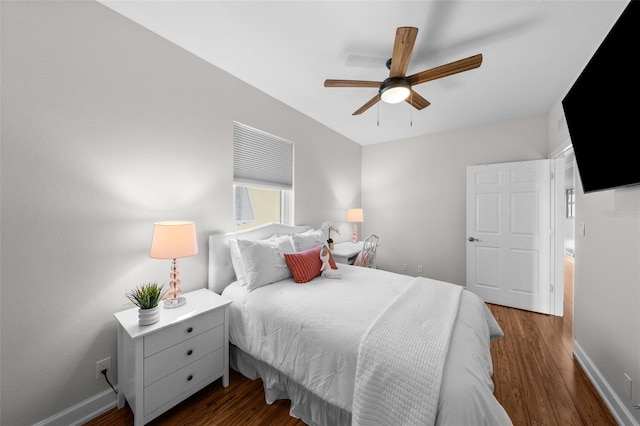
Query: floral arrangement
pixel 328 227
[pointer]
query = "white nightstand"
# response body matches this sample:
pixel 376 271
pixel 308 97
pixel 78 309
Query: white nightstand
pixel 161 364
pixel 346 251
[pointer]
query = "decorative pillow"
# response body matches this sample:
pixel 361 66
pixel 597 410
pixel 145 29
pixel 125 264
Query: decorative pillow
pixel 236 261
pixel 278 239
pixel 264 262
pixel 362 260
pixel 308 239
pixel 304 265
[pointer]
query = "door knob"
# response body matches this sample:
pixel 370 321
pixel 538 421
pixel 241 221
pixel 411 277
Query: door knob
pixel 473 239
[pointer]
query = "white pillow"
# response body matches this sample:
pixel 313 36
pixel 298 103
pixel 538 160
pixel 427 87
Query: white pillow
pixel 236 261
pixel 263 260
pixel 308 239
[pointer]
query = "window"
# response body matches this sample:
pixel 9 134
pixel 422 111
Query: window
pixel 262 176
pixel 570 198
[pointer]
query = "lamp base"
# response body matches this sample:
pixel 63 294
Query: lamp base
pixel 174 303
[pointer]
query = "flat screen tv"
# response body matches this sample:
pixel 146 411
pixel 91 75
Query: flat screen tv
pixel 602 109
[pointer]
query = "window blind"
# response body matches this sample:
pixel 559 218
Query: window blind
pixel 261 158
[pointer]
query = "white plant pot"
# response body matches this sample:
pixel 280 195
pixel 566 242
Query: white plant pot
pixel 149 316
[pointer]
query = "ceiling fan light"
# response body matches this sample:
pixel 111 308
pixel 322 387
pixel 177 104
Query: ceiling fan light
pixel 393 95
pixel 395 90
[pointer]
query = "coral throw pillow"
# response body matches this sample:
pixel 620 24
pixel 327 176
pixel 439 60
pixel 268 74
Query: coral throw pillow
pixel 305 265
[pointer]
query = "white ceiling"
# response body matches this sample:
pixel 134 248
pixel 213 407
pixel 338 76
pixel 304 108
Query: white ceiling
pixel 532 52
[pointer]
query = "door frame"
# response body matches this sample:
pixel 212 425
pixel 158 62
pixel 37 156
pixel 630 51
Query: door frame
pixel 557 157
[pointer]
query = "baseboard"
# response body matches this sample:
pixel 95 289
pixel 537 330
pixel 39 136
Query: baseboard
pixel 83 411
pixel 619 410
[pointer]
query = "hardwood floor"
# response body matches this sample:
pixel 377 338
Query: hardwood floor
pixel 536 380
pixel 241 403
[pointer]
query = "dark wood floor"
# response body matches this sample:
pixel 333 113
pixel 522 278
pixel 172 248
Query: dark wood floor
pixel 536 380
pixel 536 377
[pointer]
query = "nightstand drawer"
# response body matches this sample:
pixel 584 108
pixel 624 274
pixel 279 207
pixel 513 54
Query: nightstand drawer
pixel 166 362
pixel 170 387
pixel 187 329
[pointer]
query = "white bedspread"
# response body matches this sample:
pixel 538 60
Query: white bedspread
pixel 312 332
pixel 412 334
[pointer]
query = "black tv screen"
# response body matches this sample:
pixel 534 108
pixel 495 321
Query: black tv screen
pixel 601 109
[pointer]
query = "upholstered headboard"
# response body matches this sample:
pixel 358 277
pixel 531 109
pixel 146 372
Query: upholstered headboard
pixel 221 272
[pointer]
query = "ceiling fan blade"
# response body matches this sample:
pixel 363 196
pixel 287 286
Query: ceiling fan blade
pixel 352 83
pixel 402 48
pixel 417 100
pixel 445 70
pixel 368 105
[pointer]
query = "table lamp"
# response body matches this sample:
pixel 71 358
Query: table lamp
pixel 356 216
pixel 173 240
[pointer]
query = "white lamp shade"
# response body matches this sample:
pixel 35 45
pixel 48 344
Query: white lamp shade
pixel 355 215
pixel 173 239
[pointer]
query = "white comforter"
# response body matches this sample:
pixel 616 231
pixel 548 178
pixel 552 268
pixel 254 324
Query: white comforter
pixel 311 332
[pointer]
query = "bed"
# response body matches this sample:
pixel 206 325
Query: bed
pixel 359 346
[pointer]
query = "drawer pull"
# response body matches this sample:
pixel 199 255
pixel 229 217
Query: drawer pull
pixel 189 352
pixel 189 330
pixel 190 377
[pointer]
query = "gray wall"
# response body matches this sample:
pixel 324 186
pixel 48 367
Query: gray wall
pixel 107 128
pixel 414 198
pixel 606 281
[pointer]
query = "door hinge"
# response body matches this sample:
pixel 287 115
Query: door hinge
pixel 552 289
pixel 553 175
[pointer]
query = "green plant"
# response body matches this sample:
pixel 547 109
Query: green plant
pixel 146 296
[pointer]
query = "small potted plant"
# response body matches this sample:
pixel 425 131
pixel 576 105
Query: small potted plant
pixel 328 227
pixel 147 298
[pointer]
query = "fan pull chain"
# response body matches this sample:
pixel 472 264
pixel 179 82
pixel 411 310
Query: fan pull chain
pixel 378 114
pixel 411 109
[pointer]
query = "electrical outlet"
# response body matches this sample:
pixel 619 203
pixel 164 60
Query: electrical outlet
pixel 405 267
pixel 102 365
pixel 419 269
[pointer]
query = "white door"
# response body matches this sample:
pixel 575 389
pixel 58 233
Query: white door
pixel 508 234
